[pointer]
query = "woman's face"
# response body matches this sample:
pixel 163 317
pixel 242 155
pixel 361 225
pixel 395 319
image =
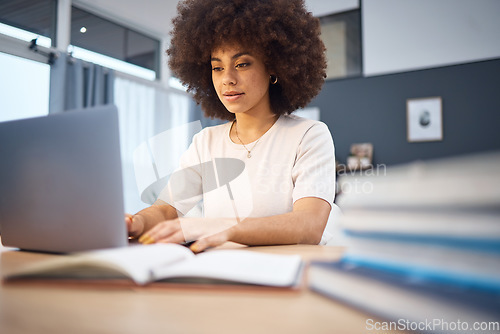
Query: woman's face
pixel 241 80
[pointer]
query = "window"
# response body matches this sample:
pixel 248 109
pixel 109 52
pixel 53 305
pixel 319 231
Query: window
pixel 24 88
pixel 91 32
pixel 36 16
pixel 341 34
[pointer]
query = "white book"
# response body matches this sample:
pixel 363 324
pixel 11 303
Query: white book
pixel 482 226
pixel 458 182
pixel 146 264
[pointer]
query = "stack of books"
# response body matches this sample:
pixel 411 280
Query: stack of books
pixel 423 246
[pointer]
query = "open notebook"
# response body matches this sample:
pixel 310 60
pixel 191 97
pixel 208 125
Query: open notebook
pixel 164 262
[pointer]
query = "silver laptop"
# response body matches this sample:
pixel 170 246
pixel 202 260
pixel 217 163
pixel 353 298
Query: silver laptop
pixel 61 182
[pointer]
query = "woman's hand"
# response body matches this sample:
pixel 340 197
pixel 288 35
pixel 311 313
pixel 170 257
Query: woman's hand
pixel 169 231
pixel 208 232
pixel 135 225
pixel 145 219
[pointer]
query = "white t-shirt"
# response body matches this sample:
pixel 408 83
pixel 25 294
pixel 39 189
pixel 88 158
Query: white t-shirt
pixel 294 159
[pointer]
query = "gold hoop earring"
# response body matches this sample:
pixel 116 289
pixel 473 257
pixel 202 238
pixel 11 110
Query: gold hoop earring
pixel 274 80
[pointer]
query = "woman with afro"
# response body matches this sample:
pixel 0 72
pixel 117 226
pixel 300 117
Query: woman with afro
pixel 266 177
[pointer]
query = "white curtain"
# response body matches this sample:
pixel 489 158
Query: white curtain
pixel 146 110
pixel 76 84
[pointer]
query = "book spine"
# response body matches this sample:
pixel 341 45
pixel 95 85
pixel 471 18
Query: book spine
pixel 426 274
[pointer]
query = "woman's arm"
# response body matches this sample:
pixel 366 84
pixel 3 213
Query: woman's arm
pixel 304 225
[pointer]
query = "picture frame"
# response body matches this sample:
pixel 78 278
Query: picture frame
pixel 360 157
pixel 424 119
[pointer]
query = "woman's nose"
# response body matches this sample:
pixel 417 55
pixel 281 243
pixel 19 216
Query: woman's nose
pixel 229 78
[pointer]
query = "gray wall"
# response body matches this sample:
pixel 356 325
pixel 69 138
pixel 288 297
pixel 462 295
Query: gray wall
pixel 373 109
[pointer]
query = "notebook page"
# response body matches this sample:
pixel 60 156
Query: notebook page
pixel 238 266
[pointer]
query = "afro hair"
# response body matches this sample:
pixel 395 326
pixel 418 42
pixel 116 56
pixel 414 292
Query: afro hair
pixel 283 31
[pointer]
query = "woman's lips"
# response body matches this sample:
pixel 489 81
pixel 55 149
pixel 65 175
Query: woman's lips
pixel 232 96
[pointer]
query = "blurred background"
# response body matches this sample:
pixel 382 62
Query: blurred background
pixel 57 55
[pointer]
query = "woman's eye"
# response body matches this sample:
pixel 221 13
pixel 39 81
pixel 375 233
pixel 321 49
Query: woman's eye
pixel 216 69
pixel 242 65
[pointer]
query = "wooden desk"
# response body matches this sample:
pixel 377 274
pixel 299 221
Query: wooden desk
pixel 30 308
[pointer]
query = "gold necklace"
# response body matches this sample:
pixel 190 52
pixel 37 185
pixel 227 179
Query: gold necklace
pixel 249 155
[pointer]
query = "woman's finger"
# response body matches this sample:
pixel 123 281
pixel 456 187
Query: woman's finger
pixel 128 221
pixel 176 237
pixel 161 231
pixel 209 242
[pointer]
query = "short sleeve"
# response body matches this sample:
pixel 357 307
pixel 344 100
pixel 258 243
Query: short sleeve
pixel 313 173
pixel 184 187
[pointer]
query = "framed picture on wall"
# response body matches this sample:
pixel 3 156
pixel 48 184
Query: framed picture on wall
pixel 360 157
pixel 424 119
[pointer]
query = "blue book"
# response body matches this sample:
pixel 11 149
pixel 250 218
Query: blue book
pixel 471 229
pixel 429 275
pixel 406 302
pixel 461 248
pixel 460 262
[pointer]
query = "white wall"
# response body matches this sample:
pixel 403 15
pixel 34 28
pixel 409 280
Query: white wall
pixel 402 35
